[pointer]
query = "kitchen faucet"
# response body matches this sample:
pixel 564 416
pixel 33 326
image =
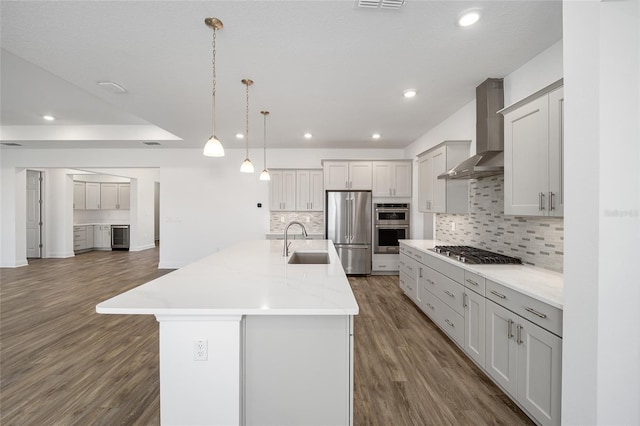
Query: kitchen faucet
pixel 285 251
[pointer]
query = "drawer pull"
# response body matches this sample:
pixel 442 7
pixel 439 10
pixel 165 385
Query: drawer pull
pixel 449 293
pixel 450 323
pixel 471 282
pixel 509 329
pixel 519 334
pixel 501 296
pixel 430 306
pixel 464 300
pixel 430 282
pixel 418 256
pixel 534 312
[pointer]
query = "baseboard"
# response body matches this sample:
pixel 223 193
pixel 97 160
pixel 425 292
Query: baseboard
pixel 59 255
pixel 166 266
pixel 144 247
pixel 18 264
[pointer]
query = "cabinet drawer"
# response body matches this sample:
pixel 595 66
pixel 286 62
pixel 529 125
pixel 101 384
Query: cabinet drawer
pixel 79 228
pixel 385 265
pixel 540 313
pixel 427 305
pixel 452 271
pixel 449 291
pixel 450 321
pixel 80 235
pixel 474 282
pixel 408 266
pixel 408 285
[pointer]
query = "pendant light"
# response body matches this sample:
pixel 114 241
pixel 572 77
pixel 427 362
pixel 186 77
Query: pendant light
pixel 265 173
pixel 213 147
pixel 247 167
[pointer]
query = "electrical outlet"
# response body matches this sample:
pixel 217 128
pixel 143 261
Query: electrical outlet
pixel 308 219
pixel 200 350
pixel 282 219
pixel 453 226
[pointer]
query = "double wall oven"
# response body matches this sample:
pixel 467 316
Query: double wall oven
pixel 390 224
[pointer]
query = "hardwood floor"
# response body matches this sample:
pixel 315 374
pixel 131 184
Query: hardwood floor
pixel 61 363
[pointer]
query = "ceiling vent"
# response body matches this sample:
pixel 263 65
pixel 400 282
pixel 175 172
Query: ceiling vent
pixel 151 143
pixel 381 4
pixel 112 87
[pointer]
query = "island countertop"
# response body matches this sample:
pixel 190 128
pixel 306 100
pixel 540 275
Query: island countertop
pixel 249 278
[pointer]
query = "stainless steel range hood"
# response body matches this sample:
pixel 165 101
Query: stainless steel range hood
pixel 489 160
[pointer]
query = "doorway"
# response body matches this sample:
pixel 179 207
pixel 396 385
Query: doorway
pixel 34 214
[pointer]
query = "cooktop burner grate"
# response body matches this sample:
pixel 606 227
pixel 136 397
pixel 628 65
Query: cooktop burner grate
pixel 467 254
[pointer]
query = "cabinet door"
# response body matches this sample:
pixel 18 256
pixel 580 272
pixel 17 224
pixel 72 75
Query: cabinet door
pixel 336 175
pixel 79 195
pixel 402 180
pixel 360 175
pixel 275 191
pixel 316 190
pixel 92 196
pixel 289 189
pixel 90 236
pixel 501 347
pixel 109 196
pixel 439 163
pixel 124 196
pixel 303 184
pixel 106 236
pixel 97 236
pixel 555 201
pixel 425 189
pixel 526 163
pixel 382 179
pixel 539 372
pixel 474 329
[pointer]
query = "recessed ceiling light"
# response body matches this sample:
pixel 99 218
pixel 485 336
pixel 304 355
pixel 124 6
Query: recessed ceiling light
pixel 239 136
pixel 308 135
pixel 376 136
pixel 409 93
pixel 468 18
pixel 48 117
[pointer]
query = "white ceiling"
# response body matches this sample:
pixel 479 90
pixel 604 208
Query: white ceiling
pixel 325 67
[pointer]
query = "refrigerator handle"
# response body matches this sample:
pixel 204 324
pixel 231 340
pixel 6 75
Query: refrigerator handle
pixel 346 215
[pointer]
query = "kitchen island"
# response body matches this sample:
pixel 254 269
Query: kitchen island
pixel 248 338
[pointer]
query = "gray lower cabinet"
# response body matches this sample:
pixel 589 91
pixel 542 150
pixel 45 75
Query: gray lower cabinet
pixel 525 360
pixel 513 337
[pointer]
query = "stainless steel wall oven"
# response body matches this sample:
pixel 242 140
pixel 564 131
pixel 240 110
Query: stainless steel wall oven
pixel 391 223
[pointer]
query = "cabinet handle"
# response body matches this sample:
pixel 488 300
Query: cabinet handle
pixel 430 306
pixel 450 323
pixel 551 206
pixel 534 312
pixel 418 256
pixel 310 206
pixel 501 296
pixel 464 300
pixel 449 294
pixel 394 191
pixel 471 282
pixel 541 201
pixel 509 329
pixel 420 273
pixel 519 334
pixel 430 282
pixel 346 184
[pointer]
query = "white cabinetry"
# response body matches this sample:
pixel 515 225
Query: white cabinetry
pixel 83 238
pixel 79 194
pixel 115 196
pixel 92 196
pixel 102 237
pixel 474 326
pixel 309 184
pixel 282 190
pixel 339 175
pixel 442 195
pixel 391 179
pixel 533 154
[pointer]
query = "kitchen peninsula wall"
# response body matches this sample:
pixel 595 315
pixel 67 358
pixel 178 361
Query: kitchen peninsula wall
pixel 315 224
pixel 538 241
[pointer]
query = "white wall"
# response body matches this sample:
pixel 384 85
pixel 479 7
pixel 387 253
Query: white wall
pixel 534 75
pixel 205 203
pixel 601 365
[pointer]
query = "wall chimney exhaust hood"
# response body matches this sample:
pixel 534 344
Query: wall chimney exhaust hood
pixel 489 160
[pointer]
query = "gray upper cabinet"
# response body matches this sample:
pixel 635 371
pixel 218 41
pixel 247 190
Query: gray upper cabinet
pixel 533 154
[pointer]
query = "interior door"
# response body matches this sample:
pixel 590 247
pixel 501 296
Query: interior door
pixel 34 214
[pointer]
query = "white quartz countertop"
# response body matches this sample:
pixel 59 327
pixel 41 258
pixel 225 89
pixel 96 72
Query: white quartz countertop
pixel 541 284
pixel 249 278
pixel 100 223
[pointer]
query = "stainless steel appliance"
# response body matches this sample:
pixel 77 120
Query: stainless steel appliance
pixel 120 237
pixel 467 254
pixel 348 225
pixel 391 223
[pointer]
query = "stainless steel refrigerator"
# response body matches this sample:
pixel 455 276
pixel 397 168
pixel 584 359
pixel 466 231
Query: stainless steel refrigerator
pixel 348 225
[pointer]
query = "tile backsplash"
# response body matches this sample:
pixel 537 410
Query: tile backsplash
pixel 538 241
pixel 313 221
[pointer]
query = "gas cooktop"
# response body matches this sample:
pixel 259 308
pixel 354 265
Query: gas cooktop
pixel 472 255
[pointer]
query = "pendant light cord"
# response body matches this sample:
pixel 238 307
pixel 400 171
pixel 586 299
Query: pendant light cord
pixel 265 138
pixel 213 91
pixel 247 120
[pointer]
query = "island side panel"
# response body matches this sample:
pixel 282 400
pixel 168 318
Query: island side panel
pixel 200 392
pixel 298 370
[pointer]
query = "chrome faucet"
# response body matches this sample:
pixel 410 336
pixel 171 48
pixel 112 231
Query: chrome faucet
pixel 285 251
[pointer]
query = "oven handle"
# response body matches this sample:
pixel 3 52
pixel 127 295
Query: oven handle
pixel 392 226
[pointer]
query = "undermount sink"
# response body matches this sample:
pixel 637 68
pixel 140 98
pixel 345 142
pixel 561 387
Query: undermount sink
pixel 310 258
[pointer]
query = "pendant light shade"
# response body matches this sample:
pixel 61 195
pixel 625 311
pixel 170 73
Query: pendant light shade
pixel 247 166
pixel 265 172
pixel 213 147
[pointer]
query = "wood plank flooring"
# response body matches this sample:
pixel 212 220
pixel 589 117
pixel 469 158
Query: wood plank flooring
pixel 63 364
